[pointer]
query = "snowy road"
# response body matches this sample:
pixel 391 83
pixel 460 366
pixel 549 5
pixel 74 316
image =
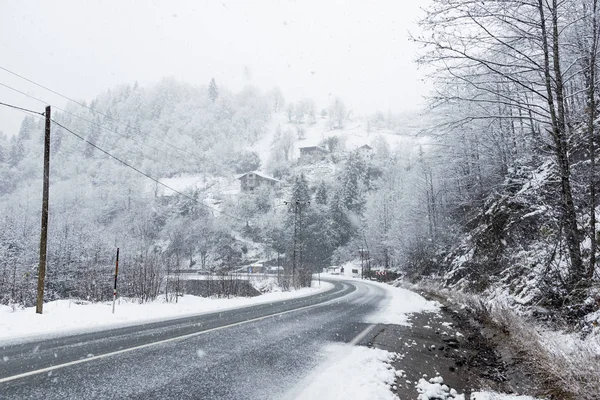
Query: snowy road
pixel 257 352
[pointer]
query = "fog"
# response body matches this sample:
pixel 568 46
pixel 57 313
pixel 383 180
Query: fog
pixel 359 51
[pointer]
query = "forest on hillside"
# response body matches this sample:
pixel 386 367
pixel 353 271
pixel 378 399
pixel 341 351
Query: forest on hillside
pixel 496 194
pixel 514 175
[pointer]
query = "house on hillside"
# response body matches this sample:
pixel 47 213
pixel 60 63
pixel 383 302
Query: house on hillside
pixel 365 151
pixel 313 152
pixel 252 180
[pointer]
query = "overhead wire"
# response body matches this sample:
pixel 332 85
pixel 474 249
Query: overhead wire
pixel 21 108
pixel 102 114
pixel 86 120
pixel 157 181
pixel 143 173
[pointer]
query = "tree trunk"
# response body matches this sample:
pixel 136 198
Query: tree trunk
pixel 557 114
pixel 591 100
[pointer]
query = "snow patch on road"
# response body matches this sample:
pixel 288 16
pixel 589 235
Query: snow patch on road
pixel 350 372
pixel 62 317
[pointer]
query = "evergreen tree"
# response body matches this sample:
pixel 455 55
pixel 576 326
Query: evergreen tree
pixel 353 183
pixel 338 225
pixel 300 191
pixel 17 151
pixel 320 239
pixel 93 136
pixel 321 195
pixel 296 224
pixel 27 126
pixel 213 90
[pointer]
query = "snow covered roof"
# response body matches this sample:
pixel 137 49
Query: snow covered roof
pixel 259 175
pixel 310 148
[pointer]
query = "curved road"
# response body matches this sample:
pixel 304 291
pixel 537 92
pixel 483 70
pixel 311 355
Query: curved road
pixel 256 352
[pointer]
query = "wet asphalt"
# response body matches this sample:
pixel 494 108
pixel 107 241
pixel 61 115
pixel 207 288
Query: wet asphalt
pixel 257 352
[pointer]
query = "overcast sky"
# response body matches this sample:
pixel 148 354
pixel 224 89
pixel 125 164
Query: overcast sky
pixel 357 50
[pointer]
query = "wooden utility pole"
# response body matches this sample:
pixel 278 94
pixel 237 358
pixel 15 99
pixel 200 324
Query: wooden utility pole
pixel 116 275
pixel 44 232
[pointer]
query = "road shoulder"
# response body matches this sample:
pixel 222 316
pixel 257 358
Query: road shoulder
pixel 448 348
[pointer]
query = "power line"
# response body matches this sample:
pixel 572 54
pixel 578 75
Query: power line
pixel 143 173
pixel 21 109
pixel 86 120
pixel 99 113
pixel 122 162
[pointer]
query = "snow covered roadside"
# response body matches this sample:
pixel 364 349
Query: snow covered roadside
pixel 498 396
pixel 350 372
pixel 435 389
pixel 356 372
pixel 65 317
pixel 399 305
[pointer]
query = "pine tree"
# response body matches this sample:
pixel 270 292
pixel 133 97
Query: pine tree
pixel 213 90
pixel 321 195
pixel 17 151
pixel 353 183
pixel 300 191
pixel 338 224
pixel 27 126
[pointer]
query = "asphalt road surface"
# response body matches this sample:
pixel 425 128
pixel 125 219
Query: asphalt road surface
pixel 256 352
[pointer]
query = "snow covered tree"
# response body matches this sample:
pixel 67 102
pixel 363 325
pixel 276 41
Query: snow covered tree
pixel 337 114
pixel 353 181
pixel 339 226
pixel 27 128
pixel 213 90
pixel 321 194
pixel 17 151
pixel 276 99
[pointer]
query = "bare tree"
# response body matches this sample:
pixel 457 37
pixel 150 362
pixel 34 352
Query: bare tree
pixel 506 60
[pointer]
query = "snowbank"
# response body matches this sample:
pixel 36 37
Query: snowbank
pixel 63 317
pixel 399 303
pixel 351 372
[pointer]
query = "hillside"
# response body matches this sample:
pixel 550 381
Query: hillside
pixel 193 215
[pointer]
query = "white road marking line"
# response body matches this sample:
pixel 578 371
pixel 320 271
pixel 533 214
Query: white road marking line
pixel 360 336
pixel 182 337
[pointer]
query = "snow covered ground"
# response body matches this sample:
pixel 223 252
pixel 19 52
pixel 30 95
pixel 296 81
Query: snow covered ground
pixel 356 372
pixel 400 303
pixel 350 372
pixel 498 396
pixel 435 389
pixel 68 317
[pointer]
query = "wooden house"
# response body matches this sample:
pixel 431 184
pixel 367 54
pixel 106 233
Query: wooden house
pixel 313 152
pixel 252 180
